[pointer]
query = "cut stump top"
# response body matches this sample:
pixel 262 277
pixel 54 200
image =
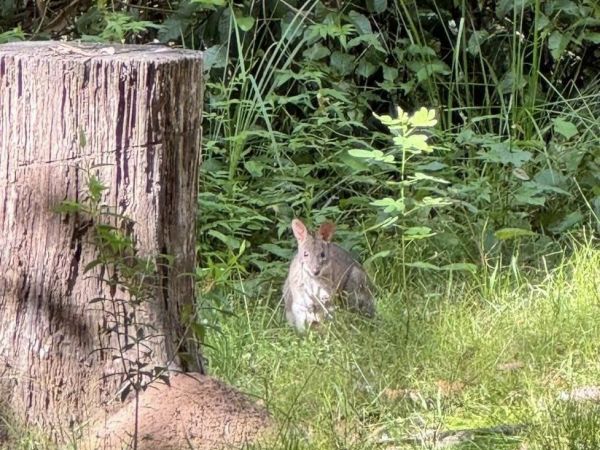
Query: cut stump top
pixel 122 52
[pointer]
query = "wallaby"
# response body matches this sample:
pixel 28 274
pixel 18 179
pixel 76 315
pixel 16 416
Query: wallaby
pixel 320 274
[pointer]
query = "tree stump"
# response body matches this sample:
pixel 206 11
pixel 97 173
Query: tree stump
pixel 132 116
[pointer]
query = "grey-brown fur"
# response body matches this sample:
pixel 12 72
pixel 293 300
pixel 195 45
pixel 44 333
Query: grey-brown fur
pixel 321 274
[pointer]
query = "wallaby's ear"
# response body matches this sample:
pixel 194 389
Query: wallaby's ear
pixel 299 229
pixel 326 231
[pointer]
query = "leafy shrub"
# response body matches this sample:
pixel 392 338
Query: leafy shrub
pixel 290 92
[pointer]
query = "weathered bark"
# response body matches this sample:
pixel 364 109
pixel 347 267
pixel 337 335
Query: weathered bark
pixel 139 108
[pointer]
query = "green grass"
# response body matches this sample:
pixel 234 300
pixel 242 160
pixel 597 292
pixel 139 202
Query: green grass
pixel 445 354
pixel 361 385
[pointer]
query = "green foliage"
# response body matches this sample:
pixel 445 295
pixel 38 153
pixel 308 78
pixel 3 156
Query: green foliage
pixel 290 153
pixel 133 275
pixel 411 143
pixel 133 282
pixel 293 94
pixel 15 34
pixel 574 426
pixel 103 25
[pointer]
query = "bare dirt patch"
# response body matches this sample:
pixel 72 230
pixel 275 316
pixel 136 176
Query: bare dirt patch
pixel 195 411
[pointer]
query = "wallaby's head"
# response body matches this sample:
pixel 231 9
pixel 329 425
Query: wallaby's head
pixel 314 248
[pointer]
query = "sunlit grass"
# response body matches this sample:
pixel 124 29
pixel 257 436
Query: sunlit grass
pixel 471 358
pixel 440 357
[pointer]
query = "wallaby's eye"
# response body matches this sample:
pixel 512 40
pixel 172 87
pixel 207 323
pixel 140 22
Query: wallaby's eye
pixel 322 254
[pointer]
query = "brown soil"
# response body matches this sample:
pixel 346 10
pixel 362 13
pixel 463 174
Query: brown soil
pixel 194 412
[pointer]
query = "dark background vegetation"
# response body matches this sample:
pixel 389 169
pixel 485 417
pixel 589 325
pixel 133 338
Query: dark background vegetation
pixel 291 87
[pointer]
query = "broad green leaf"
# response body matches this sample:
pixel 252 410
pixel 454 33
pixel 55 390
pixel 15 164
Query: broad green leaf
pixel 360 21
pixel 503 153
pixel 229 241
pixel 283 76
pixel 530 194
pixel 300 99
pixel 224 25
pixel 365 68
pixel 557 43
pixel 591 36
pixel 564 127
pixel 511 83
pixel 393 122
pixel 467 267
pixel 564 7
pixel 336 93
pixel 417 233
pixel 214 57
pixel 342 63
pixel 421 50
pixel 370 40
pixel 536 200
pixel 422 265
pixel 415 143
pixel 376 6
pixel 423 118
pixel 407 87
pixel 376 155
pixel 390 205
pixel 542 22
pixel 567 222
pixel 511 233
pixel 475 41
pixel 254 167
pixel 316 52
pixel 433 166
pixel 422 176
pixel 291 28
pixel 245 23
pixel 551 188
pixel 172 29
pixel 386 223
pixel 378 255
pixel 356 164
pixel 16 34
pixel 281 252
pixel 426 70
pixel 434 201
pixel 550 177
pixel 357 153
pixel 389 73
pixel 504 7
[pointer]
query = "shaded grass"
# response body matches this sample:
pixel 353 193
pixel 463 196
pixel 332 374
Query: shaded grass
pixel 472 357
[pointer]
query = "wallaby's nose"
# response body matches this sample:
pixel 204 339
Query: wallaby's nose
pixel 316 272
